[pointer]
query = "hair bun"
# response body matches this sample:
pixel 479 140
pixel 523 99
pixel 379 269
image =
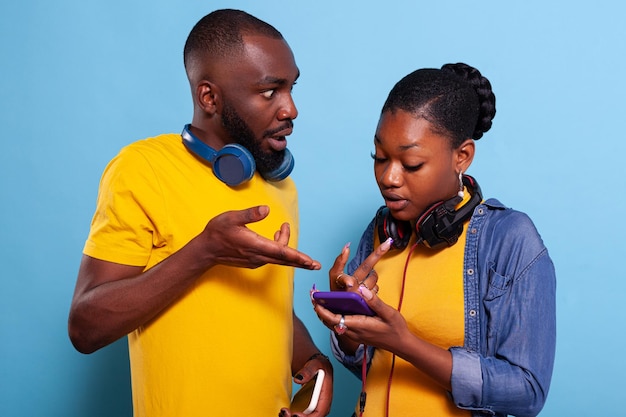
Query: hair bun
pixel 486 98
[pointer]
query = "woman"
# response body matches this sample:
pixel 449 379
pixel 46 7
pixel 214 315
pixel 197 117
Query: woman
pixel 464 289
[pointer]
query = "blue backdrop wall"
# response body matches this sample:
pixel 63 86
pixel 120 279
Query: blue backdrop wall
pixel 81 79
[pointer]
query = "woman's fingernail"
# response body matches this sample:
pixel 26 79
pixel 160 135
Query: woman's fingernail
pixel 346 247
pixel 298 377
pixel 387 243
pixel 365 292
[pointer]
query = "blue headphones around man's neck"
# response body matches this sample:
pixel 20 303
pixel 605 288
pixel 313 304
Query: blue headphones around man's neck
pixel 234 164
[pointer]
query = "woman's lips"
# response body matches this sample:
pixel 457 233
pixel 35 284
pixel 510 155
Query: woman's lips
pixel 396 204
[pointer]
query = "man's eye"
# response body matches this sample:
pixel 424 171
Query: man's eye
pixel 268 93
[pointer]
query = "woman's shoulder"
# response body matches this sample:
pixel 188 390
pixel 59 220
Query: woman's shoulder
pixel 508 227
pixel 504 215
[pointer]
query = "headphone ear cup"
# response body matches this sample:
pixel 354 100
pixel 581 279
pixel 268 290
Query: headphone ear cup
pixel 436 228
pixel 234 164
pixel 442 223
pixel 388 227
pixel 283 170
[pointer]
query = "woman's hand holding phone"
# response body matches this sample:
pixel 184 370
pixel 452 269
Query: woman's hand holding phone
pixel 384 330
pixel 346 297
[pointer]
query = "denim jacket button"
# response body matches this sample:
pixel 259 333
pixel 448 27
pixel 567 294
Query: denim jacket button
pixel 470 271
pixel 472 313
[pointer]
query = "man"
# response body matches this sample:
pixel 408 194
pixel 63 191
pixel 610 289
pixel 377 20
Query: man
pixel 196 268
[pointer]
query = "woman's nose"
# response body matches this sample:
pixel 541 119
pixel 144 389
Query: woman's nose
pixel 390 176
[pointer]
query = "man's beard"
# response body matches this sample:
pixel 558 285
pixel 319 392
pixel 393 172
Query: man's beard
pixel 241 133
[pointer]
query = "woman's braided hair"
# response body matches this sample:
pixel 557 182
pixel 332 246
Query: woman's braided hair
pixel 456 99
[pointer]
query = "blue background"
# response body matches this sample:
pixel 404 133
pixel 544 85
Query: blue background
pixel 81 79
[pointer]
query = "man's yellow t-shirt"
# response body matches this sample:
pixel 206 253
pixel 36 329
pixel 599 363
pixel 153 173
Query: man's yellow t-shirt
pixel 225 347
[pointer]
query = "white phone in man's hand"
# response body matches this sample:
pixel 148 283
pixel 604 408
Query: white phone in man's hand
pixel 308 395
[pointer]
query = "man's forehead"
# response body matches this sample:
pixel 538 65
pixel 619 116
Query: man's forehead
pixel 271 56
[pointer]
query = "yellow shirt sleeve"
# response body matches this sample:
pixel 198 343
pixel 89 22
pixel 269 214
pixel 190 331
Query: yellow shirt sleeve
pixel 129 207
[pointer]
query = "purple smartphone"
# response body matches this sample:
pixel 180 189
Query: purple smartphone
pixel 343 302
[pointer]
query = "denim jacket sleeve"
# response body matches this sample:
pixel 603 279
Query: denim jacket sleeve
pixel 506 364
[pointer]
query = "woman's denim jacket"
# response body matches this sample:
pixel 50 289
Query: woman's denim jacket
pixel 506 363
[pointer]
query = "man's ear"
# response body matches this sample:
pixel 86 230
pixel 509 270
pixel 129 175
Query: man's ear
pixel 208 96
pixel 465 155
